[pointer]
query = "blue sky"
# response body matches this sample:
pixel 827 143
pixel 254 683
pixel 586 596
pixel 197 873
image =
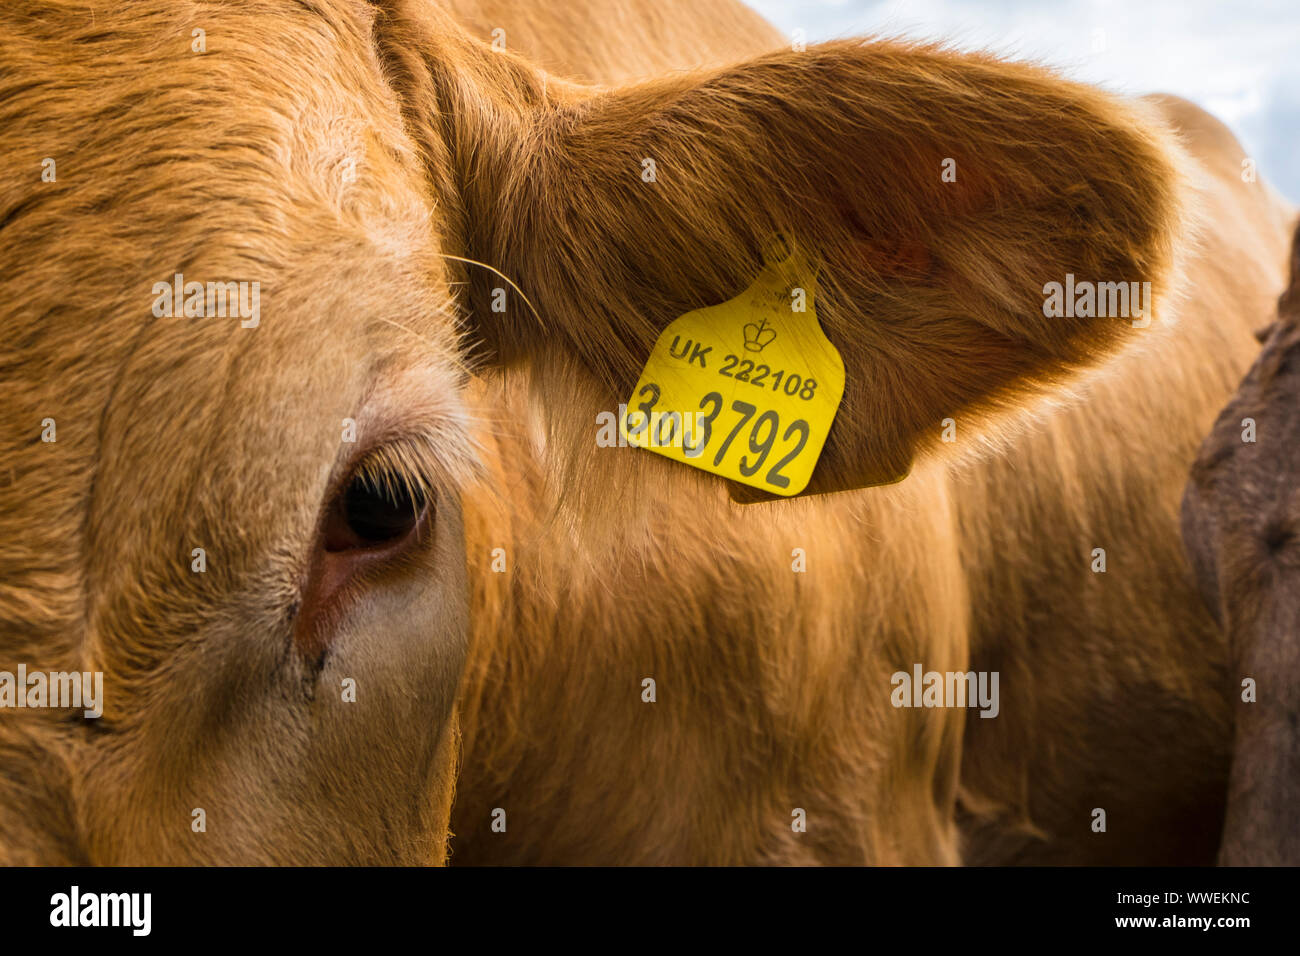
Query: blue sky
pixel 1241 61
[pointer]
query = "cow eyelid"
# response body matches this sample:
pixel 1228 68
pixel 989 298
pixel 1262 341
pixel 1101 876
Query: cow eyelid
pixel 402 466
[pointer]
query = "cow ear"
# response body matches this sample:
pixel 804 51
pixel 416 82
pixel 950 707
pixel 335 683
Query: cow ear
pixel 943 195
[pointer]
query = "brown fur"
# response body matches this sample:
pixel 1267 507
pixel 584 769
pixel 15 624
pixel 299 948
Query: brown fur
pixel 773 686
pixel 1241 526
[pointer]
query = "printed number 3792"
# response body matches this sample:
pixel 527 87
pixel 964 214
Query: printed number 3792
pixel 761 439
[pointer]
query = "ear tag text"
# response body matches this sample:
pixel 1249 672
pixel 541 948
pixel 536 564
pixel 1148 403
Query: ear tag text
pixel 747 389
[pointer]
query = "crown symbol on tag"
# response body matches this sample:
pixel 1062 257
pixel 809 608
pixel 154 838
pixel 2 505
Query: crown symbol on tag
pixel 758 336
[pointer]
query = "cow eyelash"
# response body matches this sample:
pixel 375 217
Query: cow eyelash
pixel 383 498
pixel 396 471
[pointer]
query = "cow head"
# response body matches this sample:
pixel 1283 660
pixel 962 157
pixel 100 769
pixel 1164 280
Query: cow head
pixel 247 518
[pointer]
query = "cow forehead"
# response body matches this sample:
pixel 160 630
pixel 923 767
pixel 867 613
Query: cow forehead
pixel 269 170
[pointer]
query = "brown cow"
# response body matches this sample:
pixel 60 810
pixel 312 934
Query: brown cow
pixel 356 160
pixel 1241 526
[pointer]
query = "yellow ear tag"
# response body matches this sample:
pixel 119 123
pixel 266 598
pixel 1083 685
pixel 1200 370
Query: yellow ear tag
pixel 746 389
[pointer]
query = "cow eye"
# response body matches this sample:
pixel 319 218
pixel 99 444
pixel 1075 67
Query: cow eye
pixel 377 508
pixel 379 514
